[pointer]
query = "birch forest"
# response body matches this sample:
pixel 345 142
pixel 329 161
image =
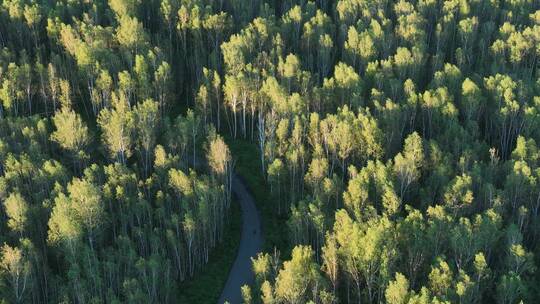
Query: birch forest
pixel 392 149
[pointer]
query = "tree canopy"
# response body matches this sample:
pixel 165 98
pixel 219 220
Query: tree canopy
pixel 396 144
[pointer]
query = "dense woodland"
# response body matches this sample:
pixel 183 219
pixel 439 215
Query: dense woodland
pixel 399 141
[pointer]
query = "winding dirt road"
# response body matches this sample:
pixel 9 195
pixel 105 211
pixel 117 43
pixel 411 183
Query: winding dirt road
pixel 251 243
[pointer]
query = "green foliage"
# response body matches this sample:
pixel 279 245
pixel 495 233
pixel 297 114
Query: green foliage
pixel 298 276
pixel 71 133
pixel 117 128
pixel 393 144
pixel 17 211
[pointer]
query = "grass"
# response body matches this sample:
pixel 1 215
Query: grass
pixel 208 282
pixel 248 166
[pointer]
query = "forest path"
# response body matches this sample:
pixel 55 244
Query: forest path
pixel 251 243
